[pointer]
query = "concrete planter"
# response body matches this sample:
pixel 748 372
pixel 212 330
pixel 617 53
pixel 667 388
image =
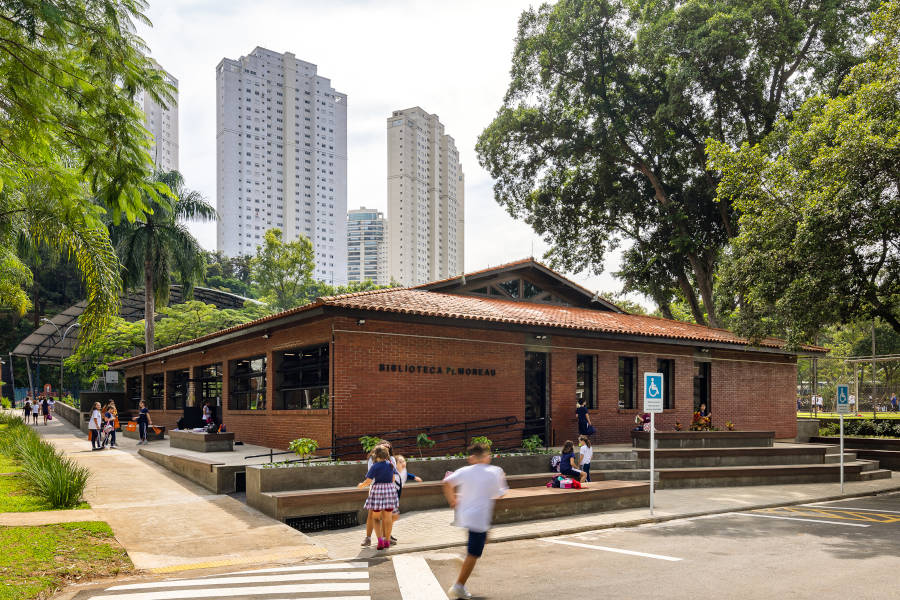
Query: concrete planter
pixel 704 439
pixel 201 442
pixel 261 480
pixel 806 429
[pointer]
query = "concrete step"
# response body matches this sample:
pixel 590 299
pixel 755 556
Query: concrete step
pixel 611 465
pixel 876 474
pixel 731 457
pixel 869 465
pixel 623 474
pixel 617 455
pixel 831 458
pixel 758 475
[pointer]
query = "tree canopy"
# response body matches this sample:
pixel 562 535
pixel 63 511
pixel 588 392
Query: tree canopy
pixel 282 271
pixel 72 141
pixel 819 199
pixel 601 136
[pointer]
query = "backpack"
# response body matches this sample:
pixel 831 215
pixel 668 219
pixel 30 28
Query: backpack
pixel 555 462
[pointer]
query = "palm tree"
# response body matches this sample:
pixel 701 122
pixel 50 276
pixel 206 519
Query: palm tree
pixel 158 243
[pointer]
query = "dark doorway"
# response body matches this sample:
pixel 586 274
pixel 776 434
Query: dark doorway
pixel 536 395
pixel 701 385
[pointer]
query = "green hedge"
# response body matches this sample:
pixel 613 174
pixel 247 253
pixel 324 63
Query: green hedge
pixel 861 428
pixel 47 472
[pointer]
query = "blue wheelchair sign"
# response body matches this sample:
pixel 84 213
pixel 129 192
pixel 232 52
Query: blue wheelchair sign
pixel 653 392
pixel 843 399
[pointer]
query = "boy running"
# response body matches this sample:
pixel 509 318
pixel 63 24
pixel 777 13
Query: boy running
pixel 472 491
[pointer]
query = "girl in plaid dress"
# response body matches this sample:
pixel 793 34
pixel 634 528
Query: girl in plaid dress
pixel 382 500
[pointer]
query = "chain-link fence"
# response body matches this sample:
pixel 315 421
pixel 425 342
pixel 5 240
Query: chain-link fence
pixel 874 383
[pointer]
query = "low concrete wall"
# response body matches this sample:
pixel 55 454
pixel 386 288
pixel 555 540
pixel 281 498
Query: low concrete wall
pixel 885 450
pixel 212 475
pixel 806 429
pixel 262 480
pixel 704 439
pixel 731 457
pixel 70 414
pixel 201 442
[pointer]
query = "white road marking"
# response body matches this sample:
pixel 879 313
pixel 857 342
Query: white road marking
pixel 312 567
pixel 893 512
pixel 799 519
pixel 608 549
pixel 415 579
pixel 242 580
pixel 300 588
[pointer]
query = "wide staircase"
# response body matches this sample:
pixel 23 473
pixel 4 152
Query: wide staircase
pixel 718 459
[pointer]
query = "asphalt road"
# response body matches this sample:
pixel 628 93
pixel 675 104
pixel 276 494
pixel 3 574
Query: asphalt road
pixel 842 550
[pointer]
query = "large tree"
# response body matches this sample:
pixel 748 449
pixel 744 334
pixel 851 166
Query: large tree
pixel 601 135
pixel 159 243
pixel 71 135
pixel 282 271
pixel 820 205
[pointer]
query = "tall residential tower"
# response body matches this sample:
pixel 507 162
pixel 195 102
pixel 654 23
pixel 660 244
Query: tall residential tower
pixel 367 246
pixel 425 199
pixel 162 123
pixel 281 144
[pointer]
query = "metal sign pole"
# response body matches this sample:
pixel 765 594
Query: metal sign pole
pixel 842 454
pixel 652 452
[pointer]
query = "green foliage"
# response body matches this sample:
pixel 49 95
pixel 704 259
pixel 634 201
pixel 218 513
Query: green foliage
pixel 599 140
pixel 532 443
pixel 282 271
pixel 303 447
pixel 424 442
pixel 47 473
pixel 4 401
pixel 158 242
pixel 72 135
pixel 179 322
pixel 369 442
pixel 229 274
pixel 820 204
pixel 480 439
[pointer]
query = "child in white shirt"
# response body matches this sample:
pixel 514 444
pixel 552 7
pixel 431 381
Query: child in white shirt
pixel 471 491
pixel 586 453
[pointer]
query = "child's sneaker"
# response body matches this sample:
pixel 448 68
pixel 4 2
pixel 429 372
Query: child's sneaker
pixel 382 544
pixel 458 591
pixel 366 542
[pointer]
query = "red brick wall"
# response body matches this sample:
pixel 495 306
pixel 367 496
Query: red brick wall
pixel 755 390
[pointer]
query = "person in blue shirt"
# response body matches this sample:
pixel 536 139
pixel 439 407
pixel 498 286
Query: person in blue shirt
pixel 567 466
pixel 144 422
pixel 383 499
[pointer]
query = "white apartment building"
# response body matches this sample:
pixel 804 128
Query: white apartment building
pixel 367 246
pixel 281 158
pixel 425 199
pixel 162 123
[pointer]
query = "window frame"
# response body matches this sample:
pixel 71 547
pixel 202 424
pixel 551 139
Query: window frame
pixel 311 392
pixel 621 403
pixel 172 383
pixel 202 381
pixel 132 400
pixel 235 376
pixel 153 401
pixel 590 379
pixel 706 376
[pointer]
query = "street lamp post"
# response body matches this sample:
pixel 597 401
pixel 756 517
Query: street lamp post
pixel 62 338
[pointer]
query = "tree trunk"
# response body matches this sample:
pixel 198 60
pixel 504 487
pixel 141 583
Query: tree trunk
pixel 704 282
pixel 691 297
pixel 149 307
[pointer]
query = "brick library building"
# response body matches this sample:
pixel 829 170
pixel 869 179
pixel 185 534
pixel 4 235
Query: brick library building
pixel 518 341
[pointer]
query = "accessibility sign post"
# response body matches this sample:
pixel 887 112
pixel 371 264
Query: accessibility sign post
pixel 653 403
pixel 843 407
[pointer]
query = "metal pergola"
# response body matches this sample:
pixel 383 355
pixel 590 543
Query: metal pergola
pixel 56 338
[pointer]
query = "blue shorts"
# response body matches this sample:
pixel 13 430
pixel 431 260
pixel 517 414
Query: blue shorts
pixel 475 547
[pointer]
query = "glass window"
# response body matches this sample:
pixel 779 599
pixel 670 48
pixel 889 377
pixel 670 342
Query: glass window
pixel 627 381
pixel 133 390
pixel 584 380
pixel 701 385
pixel 209 384
pixel 666 366
pixel 248 384
pixel 510 287
pixel 303 378
pixel 155 391
pixel 529 290
pixel 179 381
pixel 482 290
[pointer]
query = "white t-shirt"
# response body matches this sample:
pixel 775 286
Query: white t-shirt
pixel 477 486
pixel 94 423
pixel 586 454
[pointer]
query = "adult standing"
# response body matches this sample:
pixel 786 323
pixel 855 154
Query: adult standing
pixel 144 422
pixel 584 419
pixel 94 427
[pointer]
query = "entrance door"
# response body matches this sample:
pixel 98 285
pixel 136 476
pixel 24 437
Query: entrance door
pixel 536 395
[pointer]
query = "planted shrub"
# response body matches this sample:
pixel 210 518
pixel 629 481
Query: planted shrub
pixel 303 447
pixel 480 439
pixel 369 441
pixel 532 443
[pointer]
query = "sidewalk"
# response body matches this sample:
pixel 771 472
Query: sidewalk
pixel 431 530
pixel 167 523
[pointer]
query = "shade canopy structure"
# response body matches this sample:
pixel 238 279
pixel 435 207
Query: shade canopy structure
pixel 50 343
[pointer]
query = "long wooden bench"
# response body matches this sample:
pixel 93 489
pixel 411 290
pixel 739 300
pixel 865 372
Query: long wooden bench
pixel 732 457
pixel 766 474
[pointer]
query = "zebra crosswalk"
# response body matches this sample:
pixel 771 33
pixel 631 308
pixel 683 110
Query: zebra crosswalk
pixel 324 581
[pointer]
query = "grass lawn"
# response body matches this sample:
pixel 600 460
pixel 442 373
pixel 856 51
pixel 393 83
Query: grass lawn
pixel 15 498
pixel 36 561
pixel 862 415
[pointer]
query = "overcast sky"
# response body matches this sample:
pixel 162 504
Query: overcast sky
pixel 450 58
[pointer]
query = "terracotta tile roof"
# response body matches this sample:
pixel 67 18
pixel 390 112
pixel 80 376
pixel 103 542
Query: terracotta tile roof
pixel 418 302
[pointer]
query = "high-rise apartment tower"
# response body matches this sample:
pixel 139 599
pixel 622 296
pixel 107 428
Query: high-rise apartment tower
pixel 161 120
pixel 281 145
pixel 367 246
pixel 425 199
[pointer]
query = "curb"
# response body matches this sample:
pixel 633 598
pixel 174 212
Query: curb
pixel 643 521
